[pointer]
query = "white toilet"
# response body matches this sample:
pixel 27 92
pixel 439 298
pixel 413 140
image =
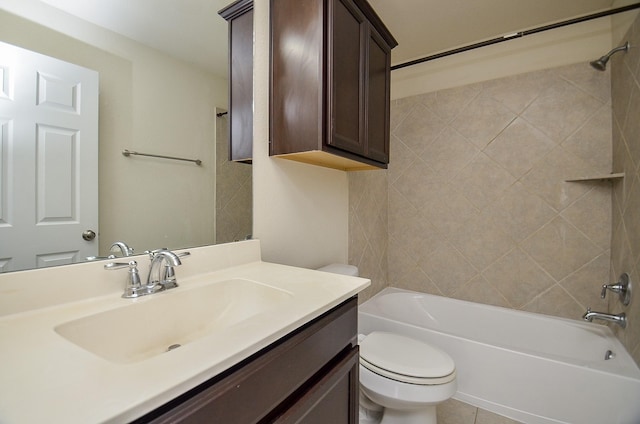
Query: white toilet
pixel 406 377
pixel 401 379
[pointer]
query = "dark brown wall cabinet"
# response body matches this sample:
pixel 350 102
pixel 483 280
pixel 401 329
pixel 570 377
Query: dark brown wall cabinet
pixel 309 376
pixel 330 83
pixel 240 17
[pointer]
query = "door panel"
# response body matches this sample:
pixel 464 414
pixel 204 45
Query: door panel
pixel 347 81
pixel 48 160
pixel 378 98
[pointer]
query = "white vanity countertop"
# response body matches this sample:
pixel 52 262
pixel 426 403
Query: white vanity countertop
pixel 46 378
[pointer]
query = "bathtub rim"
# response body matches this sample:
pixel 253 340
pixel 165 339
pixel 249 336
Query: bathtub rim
pixel 626 367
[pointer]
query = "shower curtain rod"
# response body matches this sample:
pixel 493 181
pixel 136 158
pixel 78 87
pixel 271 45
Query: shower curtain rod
pixel 517 35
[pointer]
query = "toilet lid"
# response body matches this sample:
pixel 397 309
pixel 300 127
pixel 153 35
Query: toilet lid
pixel 405 359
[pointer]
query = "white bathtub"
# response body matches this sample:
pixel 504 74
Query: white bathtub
pixel 529 367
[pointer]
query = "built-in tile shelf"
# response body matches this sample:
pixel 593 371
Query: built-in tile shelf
pixel 606 177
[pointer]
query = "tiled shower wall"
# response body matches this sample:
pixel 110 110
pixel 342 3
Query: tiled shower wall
pixel 233 191
pixel 625 244
pixel 368 227
pixel 478 204
pixel 478 207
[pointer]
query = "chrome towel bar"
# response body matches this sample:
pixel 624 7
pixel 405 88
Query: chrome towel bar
pixel 128 153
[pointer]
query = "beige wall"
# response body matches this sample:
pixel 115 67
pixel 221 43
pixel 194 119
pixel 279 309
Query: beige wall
pixel 625 243
pixel 544 50
pixel 148 203
pixel 300 212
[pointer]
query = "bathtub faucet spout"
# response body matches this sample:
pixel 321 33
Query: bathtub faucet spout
pixel 620 319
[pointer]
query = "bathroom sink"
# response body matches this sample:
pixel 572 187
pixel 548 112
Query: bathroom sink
pixel 169 320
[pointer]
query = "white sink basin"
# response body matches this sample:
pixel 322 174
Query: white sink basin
pixel 163 321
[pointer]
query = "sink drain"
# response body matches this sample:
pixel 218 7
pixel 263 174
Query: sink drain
pixel 173 346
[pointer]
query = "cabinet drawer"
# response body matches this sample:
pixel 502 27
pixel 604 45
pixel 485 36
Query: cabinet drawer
pixel 333 398
pixel 262 383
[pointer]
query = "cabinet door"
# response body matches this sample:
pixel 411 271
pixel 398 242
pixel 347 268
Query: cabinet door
pixel 378 97
pixel 332 399
pixel 347 29
pixel 240 18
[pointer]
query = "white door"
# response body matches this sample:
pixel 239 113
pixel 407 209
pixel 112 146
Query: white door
pixel 48 160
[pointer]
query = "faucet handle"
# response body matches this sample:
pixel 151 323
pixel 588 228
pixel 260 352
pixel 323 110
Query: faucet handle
pixel 117 265
pixel 622 287
pixel 134 287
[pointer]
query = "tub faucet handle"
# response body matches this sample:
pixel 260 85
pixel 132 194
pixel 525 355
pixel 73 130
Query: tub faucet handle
pixel 622 287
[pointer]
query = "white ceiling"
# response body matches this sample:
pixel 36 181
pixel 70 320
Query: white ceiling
pixel 193 31
pixel 190 30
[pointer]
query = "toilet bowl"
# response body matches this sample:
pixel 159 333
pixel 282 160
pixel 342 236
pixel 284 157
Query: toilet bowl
pixel 406 377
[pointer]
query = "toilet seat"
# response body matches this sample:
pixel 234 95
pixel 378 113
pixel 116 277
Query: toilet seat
pixel 405 359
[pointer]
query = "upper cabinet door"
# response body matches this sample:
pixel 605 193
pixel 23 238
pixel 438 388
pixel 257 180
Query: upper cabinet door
pixel 346 77
pixel 377 103
pixel 330 83
pixel 240 17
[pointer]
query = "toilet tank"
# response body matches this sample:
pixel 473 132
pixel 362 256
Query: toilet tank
pixel 343 269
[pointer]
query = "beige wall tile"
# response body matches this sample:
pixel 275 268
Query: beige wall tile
pixel 520 213
pixel 448 103
pixel 448 269
pixel 586 143
pixel 233 192
pixel 483 181
pixel 402 156
pixel 519 147
pixel 547 178
pixel 585 284
pixel 591 214
pixel 631 128
pixel 481 241
pixel 556 302
pixel 480 290
pixel 449 210
pixel 621 84
pixel 518 278
pixel 519 91
pixel 561 109
pixel 419 128
pixel 631 218
pixel 482 120
pixel 597 84
pixel 449 153
pixel 368 227
pixel 560 248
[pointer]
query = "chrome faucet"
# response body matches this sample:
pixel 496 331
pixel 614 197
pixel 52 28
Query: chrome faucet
pixel 161 276
pixel 620 319
pixel 134 287
pixel 124 249
pixel 161 273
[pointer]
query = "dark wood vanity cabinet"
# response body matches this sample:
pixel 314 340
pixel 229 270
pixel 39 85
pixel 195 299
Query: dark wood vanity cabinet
pixel 310 376
pixel 240 17
pixel 330 83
